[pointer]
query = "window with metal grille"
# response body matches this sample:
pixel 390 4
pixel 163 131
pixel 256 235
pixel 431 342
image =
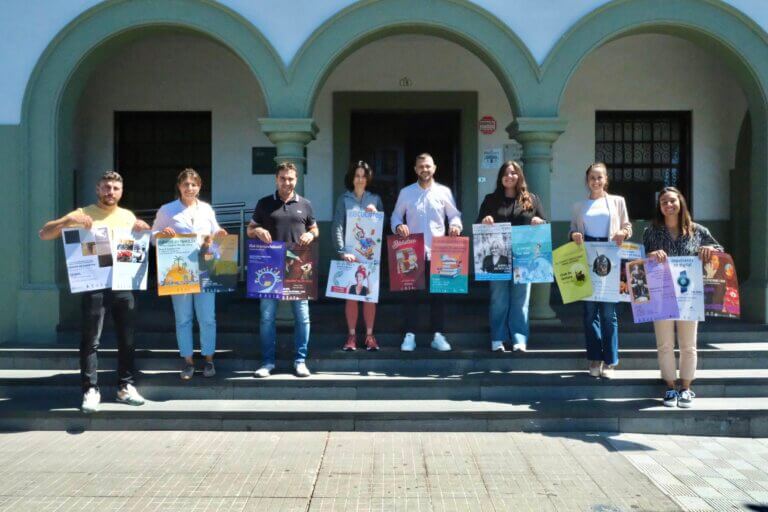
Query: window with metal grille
pixel 644 152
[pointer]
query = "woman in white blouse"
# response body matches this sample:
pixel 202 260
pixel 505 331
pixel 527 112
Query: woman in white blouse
pixel 186 215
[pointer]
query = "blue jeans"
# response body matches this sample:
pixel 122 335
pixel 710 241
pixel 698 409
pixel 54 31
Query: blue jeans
pixel 268 332
pixel 601 332
pixel 184 308
pixel 509 311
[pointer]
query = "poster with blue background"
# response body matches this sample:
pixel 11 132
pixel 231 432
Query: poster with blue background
pixel 265 269
pixel 532 254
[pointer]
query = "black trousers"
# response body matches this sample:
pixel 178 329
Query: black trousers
pixel 123 308
pixel 410 308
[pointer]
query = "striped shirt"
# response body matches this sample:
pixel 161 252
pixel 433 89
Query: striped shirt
pixel 658 238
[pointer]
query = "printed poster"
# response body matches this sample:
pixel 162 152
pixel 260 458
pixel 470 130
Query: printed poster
pixel 532 254
pixel 604 262
pixel 130 251
pixel 218 261
pixel 688 281
pixel 264 270
pixel 571 272
pixel 406 262
pixel 491 245
pixel 651 291
pixel 178 270
pixel 353 280
pixel 449 269
pixel 721 287
pixel 363 235
pixel 89 259
pixel 627 252
pixel 301 271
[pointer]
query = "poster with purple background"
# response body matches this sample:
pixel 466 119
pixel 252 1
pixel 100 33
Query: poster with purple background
pixel 265 269
pixel 651 291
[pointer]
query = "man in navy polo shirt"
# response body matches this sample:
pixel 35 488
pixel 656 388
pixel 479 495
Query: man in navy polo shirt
pixel 284 216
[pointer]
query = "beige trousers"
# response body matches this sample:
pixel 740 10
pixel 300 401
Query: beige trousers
pixel 665 343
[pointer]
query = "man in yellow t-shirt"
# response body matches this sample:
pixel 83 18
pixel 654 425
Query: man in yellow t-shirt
pixel 105 213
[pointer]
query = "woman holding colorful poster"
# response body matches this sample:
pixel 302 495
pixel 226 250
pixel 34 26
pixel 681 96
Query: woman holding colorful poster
pixel 357 198
pixel 189 215
pixel 601 217
pixel 511 202
pixel 673 233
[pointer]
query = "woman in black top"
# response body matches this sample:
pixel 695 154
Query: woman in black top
pixel 673 233
pixel 510 202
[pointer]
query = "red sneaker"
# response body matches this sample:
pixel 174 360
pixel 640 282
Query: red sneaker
pixel 370 343
pixel 351 343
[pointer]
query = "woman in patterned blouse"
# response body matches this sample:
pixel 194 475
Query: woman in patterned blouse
pixel 673 233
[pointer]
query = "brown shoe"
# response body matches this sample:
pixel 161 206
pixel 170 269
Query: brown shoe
pixel 351 343
pixel 370 343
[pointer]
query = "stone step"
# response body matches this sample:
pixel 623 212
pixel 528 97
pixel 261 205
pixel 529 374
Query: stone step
pixel 711 416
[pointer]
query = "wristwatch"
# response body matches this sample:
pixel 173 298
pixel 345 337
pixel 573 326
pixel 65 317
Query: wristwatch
pixel 683 281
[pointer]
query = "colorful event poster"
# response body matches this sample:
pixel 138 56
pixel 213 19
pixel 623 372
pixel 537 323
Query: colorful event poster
pixel 353 280
pixel 301 271
pixel 603 260
pixel 89 259
pixel 130 251
pixel 406 262
pixel 571 272
pixel 177 265
pixel 264 270
pixel 651 291
pixel 688 280
pixel 532 254
pixel 449 269
pixel 491 248
pixel 721 287
pixel 363 235
pixel 627 252
pixel 218 260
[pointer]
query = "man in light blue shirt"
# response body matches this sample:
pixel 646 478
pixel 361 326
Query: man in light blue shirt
pixel 422 207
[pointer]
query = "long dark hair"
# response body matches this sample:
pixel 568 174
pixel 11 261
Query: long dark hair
pixel 684 220
pixel 521 187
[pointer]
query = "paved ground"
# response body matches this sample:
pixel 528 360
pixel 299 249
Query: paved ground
pixel 320 471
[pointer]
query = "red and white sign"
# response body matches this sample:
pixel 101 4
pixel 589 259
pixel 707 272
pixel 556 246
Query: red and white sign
pixel 487 125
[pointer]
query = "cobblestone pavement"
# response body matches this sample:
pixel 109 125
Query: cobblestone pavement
pixel 321 471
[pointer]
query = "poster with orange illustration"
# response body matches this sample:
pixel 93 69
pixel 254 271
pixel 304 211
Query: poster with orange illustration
pixel 449 267
pixel 721 287
pixel 178 269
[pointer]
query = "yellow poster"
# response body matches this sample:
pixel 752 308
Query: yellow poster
pixel 572 272
pixel 177 265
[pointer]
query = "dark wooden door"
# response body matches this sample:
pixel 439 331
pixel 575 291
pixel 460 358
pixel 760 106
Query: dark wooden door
pixel 151 148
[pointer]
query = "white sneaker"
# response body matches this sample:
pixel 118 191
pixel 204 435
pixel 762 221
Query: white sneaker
pixel 595 371
pixel 129 395
pixel 409 342
pixel 264 371
pixel 497 346
pixel 607 371
pixel 519 347
pixel 301 369
pixel 91 400
pixel 440 343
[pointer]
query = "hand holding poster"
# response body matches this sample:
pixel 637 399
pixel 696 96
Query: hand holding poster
pixel 603 260
pixel 627 252
pixel 353 281
pixel 363 235
pixel 721 287
pixel 532 254
pixel 651 291
pixel 131 259
pixel 491 245
pixel 218 258
pixel 301 271
pixel 571 272
pixel 264 270
pixel 89 259
pixel 406 262
pixel 449 269
pixel 688 283
pixel 177 264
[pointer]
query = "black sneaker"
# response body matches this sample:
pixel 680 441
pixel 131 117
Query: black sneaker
pixel 671 397
pixel 686 399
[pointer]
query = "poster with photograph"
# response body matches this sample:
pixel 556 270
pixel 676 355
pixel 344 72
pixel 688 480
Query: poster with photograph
pixel 532 254
pixel 688 281
pixel 572 272
pixel 363 235
pixel 353 280
pixel 721 287
pixel 491 247
pixel 651 291
pixel 130 251
pixel 604 262
pixel 264 270
pixel 406 262
pixel 178 270
pixel 301 271
pixel 627 252
pixel 89 259
pixel 218 261
pixel 449 268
